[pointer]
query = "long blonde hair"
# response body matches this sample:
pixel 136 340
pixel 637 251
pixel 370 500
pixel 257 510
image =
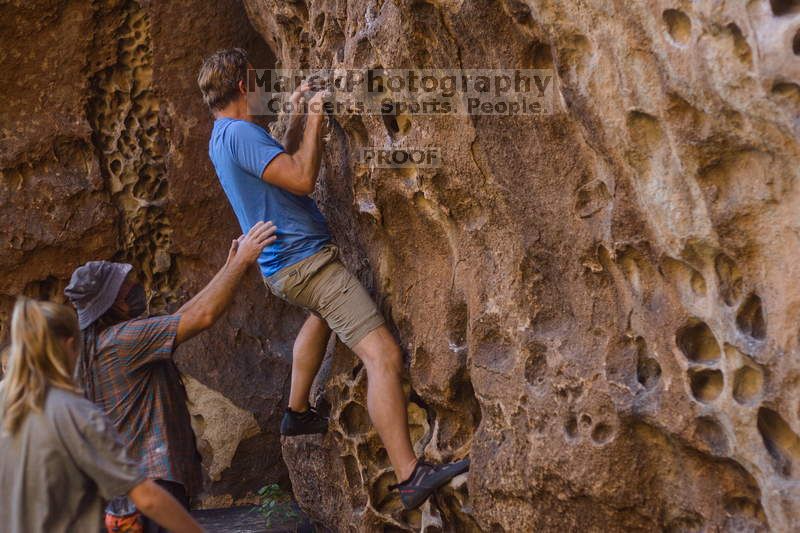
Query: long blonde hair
pixel 37 359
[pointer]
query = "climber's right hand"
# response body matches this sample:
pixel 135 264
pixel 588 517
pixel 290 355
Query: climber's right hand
pixel 296 99
pixel 315 105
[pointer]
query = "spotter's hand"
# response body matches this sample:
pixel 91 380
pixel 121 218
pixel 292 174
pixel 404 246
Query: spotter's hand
pixel 247 248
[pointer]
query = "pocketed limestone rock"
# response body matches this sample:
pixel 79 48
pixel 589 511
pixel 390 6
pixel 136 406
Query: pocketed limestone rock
pixel 598 306
pixel 103 155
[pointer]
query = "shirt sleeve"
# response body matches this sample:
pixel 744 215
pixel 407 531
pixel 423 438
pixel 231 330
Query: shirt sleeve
pixel 97 449
pixel 142 341
pixel 253 148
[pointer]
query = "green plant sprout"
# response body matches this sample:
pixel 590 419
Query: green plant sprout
pixel 275 504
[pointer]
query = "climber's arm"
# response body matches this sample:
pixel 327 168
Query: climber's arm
pixel 294 131
pixel 297 172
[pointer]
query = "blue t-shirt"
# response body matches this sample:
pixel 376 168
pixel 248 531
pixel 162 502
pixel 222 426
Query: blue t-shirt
pixel 240 151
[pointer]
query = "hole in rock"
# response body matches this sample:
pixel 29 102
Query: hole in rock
pixel 396 122
pixel 710 433
pixel 747 384
pixel 740 46
pixel 115 166
pixel 684 276
pixel 375 76
pixel 354 419
pixel 493 349
pixel 382 458
pixel 576 55
pixel 687 523
pixel 541 56
pixel 682 114
pixel 586 420
pixel 629 261
pixel 706 384
pixel 161 192
pixel 730 280
pixel 601 433
pixel 390 121
pixel 414 397
pixel 300 10
pixel 536 365
pixel 413 519
pixel 787 91
pixel 319 23
pixel 679 25
pixel 784 7
pixel 604 257
pixel 781 442
pixel 453 432
pixel 698 283
pixel 750 318
pixel 356 370
pixel 745 514
pixel 353 473
pixel 571 427
pixel 45 289
pixel 455 427
pixel 520 11
pixel 648 371
pixel 645 131
pixel 382 498
pixel 697 342
pixel 457 322
pixel 622 360
pixel 591 198
pixel 418 423
pixel 468 402
pixel 796 43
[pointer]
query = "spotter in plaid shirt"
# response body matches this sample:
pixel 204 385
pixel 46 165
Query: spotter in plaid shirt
pixel 140 389
pixel 126 366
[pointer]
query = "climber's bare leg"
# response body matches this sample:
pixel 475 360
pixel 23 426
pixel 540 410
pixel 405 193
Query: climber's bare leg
pixel 386 401
pixel 307 354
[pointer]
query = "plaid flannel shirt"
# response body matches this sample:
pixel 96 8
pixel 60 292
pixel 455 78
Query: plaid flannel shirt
pixel 139 387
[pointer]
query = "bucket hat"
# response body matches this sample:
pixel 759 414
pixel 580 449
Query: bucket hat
pixel 93 289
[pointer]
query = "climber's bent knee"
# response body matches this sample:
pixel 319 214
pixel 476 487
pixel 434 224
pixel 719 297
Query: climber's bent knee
pixel 323 285
pixel 380 352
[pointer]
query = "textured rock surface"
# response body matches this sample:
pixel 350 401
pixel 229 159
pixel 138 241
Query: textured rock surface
pixel 103 154
pixel 600 307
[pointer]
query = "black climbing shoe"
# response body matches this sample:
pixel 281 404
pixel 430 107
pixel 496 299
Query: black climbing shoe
pixel 308 422
pixel 425 479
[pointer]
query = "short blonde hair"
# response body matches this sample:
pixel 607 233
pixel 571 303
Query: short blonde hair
pixel 37 359
pixel 220 75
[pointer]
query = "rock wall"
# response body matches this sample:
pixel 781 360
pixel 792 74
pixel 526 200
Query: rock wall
pixel 600 307
pixel 103 155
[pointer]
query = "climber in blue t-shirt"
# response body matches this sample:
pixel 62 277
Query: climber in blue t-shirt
pixel 267 180
pixel 241 151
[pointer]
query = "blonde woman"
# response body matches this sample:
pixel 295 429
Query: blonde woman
pixel 59 455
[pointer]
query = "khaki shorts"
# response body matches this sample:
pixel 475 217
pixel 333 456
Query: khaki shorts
pixel 321 284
